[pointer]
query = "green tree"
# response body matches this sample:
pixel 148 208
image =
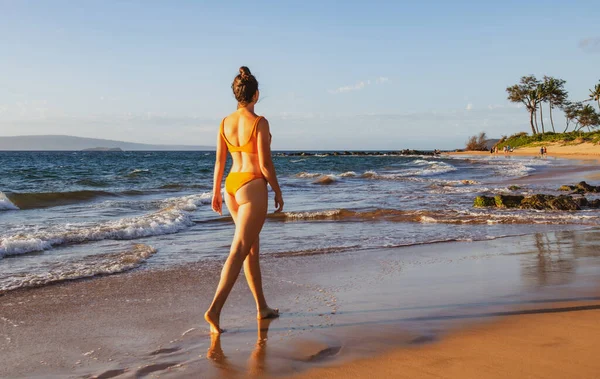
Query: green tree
pixel 526 92
pixel 595 94
pixel 541 94
pixel 555 94
pixel 588 117
pixel 572 111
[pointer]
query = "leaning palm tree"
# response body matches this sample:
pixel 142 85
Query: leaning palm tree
pixel 555 94
pixel 526 93
pixel 595 94
pixel 588 117
pixel 572 113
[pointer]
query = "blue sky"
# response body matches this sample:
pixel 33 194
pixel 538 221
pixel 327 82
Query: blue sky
pixel 352 75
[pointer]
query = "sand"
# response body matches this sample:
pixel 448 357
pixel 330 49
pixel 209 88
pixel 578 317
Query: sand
pixel 583 151
pixel 336 308
pixel 565 344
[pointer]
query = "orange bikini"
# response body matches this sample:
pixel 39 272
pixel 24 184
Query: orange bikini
pixel 236 180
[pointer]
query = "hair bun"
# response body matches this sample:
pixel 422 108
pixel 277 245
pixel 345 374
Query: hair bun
pixel 244 72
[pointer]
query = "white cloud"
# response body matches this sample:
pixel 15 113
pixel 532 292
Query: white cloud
pixel 590 45
pixel 358 86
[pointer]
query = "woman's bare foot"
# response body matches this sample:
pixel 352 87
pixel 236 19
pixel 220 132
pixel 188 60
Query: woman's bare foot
pixel 213 320
pixel 267 313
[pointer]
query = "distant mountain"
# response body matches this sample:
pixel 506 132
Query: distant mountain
pixel 104 149
pixel 70 143
pixel 491 143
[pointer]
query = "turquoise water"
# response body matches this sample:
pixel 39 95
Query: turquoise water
pixel 66 215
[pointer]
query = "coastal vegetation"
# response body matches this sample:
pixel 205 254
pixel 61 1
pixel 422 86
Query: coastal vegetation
pixel 533 93
pixel 570 138
pixel 582 120
pixel 477 143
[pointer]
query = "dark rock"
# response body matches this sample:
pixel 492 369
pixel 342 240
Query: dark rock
pixel 581 201
pixel 583 186
pixel 594 203
pixel 536 202
pixel 508 201
pixel 484 201
pixel 563 203
pixel 566 188
pixel 514 188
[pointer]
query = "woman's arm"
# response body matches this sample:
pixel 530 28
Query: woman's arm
pixel 220 161
pixel 265 161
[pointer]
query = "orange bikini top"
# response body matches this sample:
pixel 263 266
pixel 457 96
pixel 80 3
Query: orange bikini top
pixel 250 147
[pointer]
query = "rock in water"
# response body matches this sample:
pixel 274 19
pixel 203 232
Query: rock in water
pixel 563 203
pixel 594 203
pixel 484 201
pixel 583 186
pixel 538 201
pixel 567 188
pixel 508 201
pixel 581 201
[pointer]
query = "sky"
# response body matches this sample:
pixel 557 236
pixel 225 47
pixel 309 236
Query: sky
pixel 333 75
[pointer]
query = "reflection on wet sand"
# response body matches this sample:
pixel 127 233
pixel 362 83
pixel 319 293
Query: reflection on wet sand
pixel 256 362
pixel 556 258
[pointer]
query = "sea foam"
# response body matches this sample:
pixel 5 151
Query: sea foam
pixel 92 265
pixel 172 218
pixel 5 204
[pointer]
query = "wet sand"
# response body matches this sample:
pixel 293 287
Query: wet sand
pixel 335 308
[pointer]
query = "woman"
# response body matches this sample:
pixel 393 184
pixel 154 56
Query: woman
pixel 246 135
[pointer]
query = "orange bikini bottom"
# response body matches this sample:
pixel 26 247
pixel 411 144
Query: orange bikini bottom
pixel 236 180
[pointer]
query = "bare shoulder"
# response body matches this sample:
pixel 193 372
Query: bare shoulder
pixel 263 125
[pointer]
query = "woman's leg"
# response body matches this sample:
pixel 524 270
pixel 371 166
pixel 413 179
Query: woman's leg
pixel 252 204
pixel 252 270
pixel 254 278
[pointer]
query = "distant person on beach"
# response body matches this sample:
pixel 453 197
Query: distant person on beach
pixel 246 135
pixel 542 151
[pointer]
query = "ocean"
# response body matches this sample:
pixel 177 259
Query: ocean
pixel 70 215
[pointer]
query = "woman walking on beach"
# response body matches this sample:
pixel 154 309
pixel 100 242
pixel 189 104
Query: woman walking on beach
pixel 246 135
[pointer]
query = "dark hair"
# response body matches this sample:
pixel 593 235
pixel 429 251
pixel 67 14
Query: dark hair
pixel 244 86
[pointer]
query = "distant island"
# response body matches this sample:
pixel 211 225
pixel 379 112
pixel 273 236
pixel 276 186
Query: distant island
pixel 103 149
pixel 71 143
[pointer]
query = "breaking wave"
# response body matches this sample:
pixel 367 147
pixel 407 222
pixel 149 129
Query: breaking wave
pixel 172 218
pixel 6 204
pixel 86 267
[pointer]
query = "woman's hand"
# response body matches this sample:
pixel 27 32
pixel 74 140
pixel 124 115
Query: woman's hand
pixel 278 202
pixel 217 203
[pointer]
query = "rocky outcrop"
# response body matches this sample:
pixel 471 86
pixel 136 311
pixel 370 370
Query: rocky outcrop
pixel 580 188
pixel 538 201
pixel 508 201
pixel 360 153
pixel 484 201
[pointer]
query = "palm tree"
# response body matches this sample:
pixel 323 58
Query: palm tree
pixel 588 117
pixel 541 94
pixel 572 111
pixel 555 94
pixel 595 94
pixel 526 93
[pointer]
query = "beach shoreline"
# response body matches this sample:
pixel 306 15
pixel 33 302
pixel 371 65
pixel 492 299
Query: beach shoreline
pixel 583 151
pixel 336 308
